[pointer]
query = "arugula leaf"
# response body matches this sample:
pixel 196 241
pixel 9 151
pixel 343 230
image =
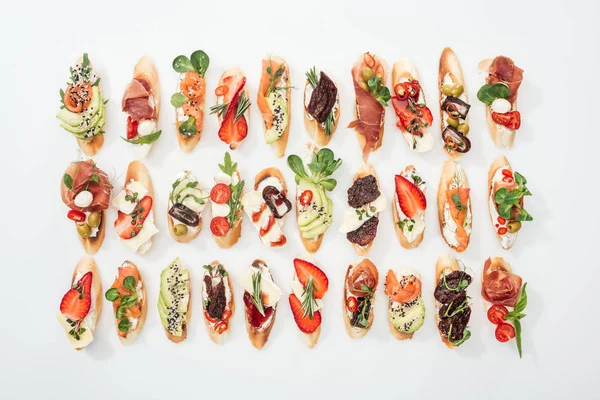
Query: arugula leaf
pixel 147 139
pixel 228 166
pixel 188 127
pixel 182 64
pixel 178 99
pixel 466 336
pixel 200 61
pixel 488 93
pixel 68 181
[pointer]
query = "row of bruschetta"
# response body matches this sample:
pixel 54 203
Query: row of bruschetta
pixel 86 191
pixel 503 292
pixel 83 107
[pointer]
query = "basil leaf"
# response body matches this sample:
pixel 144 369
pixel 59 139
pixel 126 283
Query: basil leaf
pixel 112 294
pixel 521 300
pixel 505 210
pixel 517 324
pixel 466 336
pixel 124 325
pixel 182 64
pixel 488 93
pixel 120 312
pixel 128 300
pixel 68 181
pixel 297 166
pixel 178 99
pixel 200 62
pixel 129 283
pixel 188 128
pixel 328 184
pixel 147 139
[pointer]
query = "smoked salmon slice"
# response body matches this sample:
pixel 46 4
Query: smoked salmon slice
pixel 265 80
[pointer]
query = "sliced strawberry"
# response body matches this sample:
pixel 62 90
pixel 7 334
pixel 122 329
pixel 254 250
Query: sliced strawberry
pixel 305 323
pixel 411 199
pixel 408 118
pixel 129 225
pixel 305 270
pixel 233 131
pixel 76 303
pixel 255 318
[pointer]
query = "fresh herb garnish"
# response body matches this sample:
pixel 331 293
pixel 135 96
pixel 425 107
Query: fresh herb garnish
pixel 409 223
pixel 488 93
pixel 146 139
pixel 309 303
pixel 257 293
pixel 459 205
pixel 219 109
pixel 273 77
pixel 329 123
pixel 242 105
pixel 507 199
pixel 366 289
pixel 362 316
pixel 516 315
pixel 466 336
pixel 380 92
pixel 126 301
pixel 68 181
pixel 311 77
pixel 416 179
pixel 198 62
pixel 228 166
pixel 321 167
pixel 178 100
pixel 462 307
pixel 188 127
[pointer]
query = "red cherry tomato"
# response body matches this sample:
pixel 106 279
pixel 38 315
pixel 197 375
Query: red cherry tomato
pixel 352 304
pixel 221 327
pixel 220 193
pixel 209 318
pixel 511 119
pixel 502 231
pixel 226 315
pixel 76 216
pixel 306 197
pixel 369 60
pixel 219 226
pixel 505 332
pixel 496 314
pixel 221 90
pixel 401 90
pixel 501 220
pixel 132 127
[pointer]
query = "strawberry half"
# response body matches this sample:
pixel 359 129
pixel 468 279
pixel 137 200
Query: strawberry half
pixel 129 225
pixel 76 303
pixel 232 131
pixel 305 324
pixel 255 318
pixel 411 199
pixel 305 270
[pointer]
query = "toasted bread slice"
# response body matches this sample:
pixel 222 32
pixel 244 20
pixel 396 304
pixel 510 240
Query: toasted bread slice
pixel 233 235
pixel 396 218
pixel 190 235
pixel 365 170
pixel 145 70
pixel 92 146
pixel 445 261
pixel 138 172
pixel 260 336
pixel 188 143
pixel 315 129
pixel 91 245
pixel 280 144
pixel 232 72
pixel 353 331
pixel 395 332
pixel 449 64
pixel 449 171
pixel 499 162
pixel 179 339
pixel 218 338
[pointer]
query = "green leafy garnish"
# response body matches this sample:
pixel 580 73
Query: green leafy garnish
pixel 242 105
pixel 129 283
pixel 257 293
pixel 466 336
pixel 228 166
pixel 200 61
pixel 124 325
pixel 488 93
pixel 178 99
pixel 188 127
pixel 146 139
pixel 459 205
pixel 273 77
pixel 329 123
pixel 311 77
pixel 409 223
pixel 112 294
pixel 362 316
pixel 516 315
pixel 309 303
pixel 381 93
pixel 219 109
pixel 462 307
pixel 507 199
pixel 321 167
pixel 127 301
pixel 68 181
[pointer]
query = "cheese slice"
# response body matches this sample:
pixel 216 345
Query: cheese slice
pixel 86 337
pixel 354 218
pixel 271 293
pixel 298 290
pixel 148 230
pixel 125 206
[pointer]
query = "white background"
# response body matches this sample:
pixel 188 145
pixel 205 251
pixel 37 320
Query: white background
pixel 556 43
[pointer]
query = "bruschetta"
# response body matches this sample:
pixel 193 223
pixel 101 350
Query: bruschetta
pixel 86 190
pixel 135 205
pixel 365 202
pixel 369 75
pixel 454 206
pixel 141 103
pixel 189 98
pixel 309 285
pixel 506 191
pixel 406 309
pixel 217 301
pixel 186 204
pixel 314 210
pixel 175 301
pixel 454 105
pixel 499 94
pixel 232 107
pixel 505 299
pixel 321 106
pixel 452 306
pixel 267 205
pixel 261 296
pixel 226 204
pixel 83 108
pixel 360 285
pixel 414 117
pixel 81 306
pixel 129 300
pixel 274 99
pixel 409 207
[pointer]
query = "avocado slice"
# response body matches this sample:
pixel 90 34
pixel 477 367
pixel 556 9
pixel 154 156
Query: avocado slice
pixel 408 317
pixel 181 184
pixel 74 119
pixel 163 312
pixel 307 214
pixel 279 108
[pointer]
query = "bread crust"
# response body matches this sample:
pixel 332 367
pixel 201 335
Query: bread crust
pixel 91 245
pixel 314 129
pixel 260 336
pixel 355 332
pixel 443 262
pixel 396 218
pixel 132 334
pixel 447 174
pixel 231 72
pixel 365 170
pixel 499 162
pixel 138 172
pixel 84 265
pixel 449 64
pixel 214 336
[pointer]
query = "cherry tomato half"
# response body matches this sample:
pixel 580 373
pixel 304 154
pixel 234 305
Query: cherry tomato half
pixel 511 119
pixel 221 327
pixel 306 197
pixel 352 304
pixel 219 226
pixel 76 216
pixel 209 318
pixel 132 128
pixel 220 193
pixel 227 314
pixel 401 90
pixel 221 90
pixel 505 332
pixel 496 314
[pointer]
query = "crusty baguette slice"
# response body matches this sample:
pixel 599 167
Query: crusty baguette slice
pixel 179 339
pixel 499 162
pixel 138 172
pixel 235 71
pixel 396 217
pixel 214 336
pixel 91 245
pixel 269 172
pixel 310 245
pixel 280 144
pixel 365 170
pixel 87 264
pixel 395 332
pixel 230 238
pixel 92 146
pixel 444 261
pixel 353 331
pixel 314 129
pixel 188 236
pixel 146 70
pixel 260 336
pixel 188 143
pixel 449 64
pixel 448 171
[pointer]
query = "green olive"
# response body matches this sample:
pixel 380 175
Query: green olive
pixel 513 226
pixel 463 128
pixel 366 73
pixel 363 85
pixel 457 90
pixel 84 230
pixel 453 122
pixel 447 90
pixel 94 219
pixel 180 230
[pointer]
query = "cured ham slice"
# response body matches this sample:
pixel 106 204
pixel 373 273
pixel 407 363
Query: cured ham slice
pixel 364 274
pixel 136 102
pixel 500 285
pixel 370 114
pixel 87 176
pixel 503 69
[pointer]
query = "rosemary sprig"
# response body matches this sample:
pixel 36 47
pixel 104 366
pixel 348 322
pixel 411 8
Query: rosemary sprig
pixel 309 303
pixel 273 77
pixel 329 124
pixel 242 105
pixel 257 293
pixel 311 77
pixel 219 109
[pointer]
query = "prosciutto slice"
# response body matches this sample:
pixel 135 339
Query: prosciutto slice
pixel 136 102
pixel 84 175
pixel 503 69
pixel 364 273
pixel 500 285
pixel 370 114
